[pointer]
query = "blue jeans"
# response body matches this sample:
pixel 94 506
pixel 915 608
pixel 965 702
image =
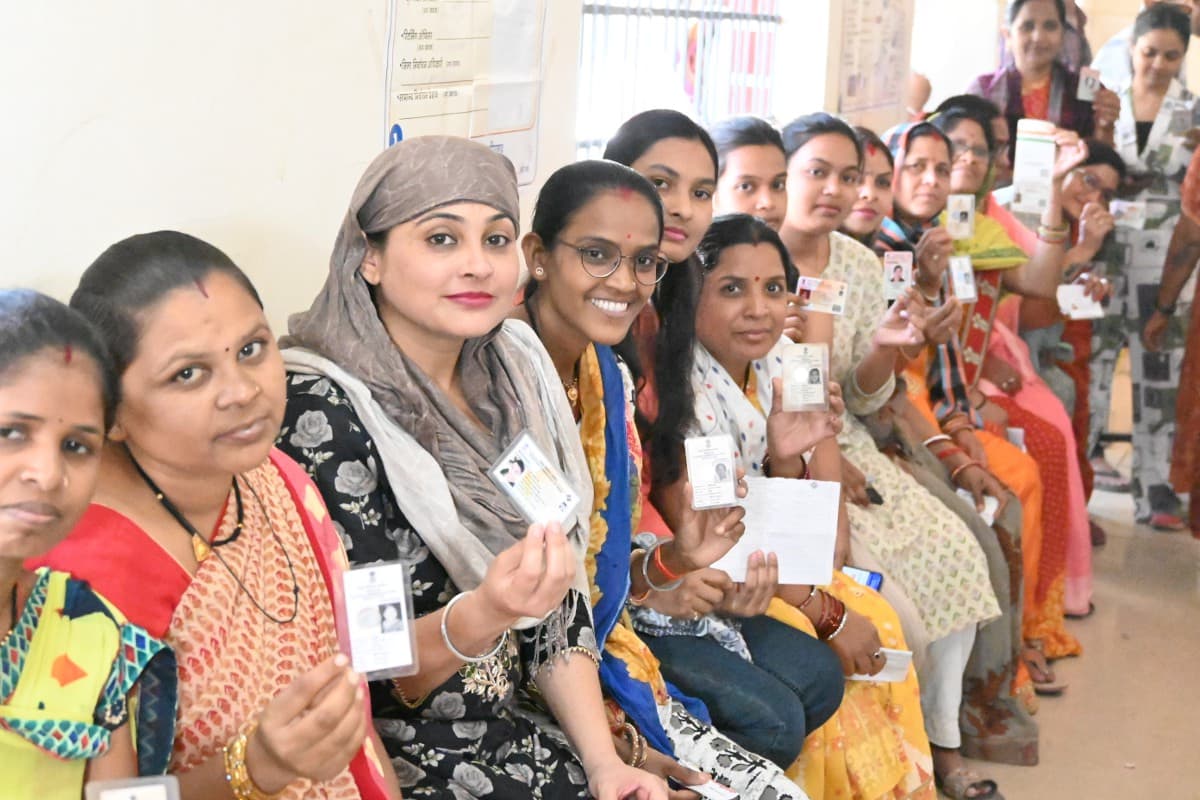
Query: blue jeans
pixel 794 685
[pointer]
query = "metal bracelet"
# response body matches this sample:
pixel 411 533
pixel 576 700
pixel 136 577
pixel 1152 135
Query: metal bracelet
pixel 450 645
pixel 650 551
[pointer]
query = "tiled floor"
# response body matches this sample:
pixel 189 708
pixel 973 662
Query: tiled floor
pixel 1129 725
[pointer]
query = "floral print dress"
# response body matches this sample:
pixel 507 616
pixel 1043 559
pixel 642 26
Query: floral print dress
pixel 465 739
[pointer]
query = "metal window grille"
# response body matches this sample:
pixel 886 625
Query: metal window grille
pixel 708 58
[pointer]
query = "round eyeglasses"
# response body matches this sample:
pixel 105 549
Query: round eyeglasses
pixel 602 259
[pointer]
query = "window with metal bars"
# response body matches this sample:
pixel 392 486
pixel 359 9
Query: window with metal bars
pixel 708 58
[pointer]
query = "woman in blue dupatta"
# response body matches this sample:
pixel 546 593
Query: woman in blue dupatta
pixel 591 219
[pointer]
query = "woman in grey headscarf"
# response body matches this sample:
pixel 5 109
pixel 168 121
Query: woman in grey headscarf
pixel 406 387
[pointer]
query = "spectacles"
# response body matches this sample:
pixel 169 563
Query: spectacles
pixel 1093 184
pixel 602 259
pixel 961 148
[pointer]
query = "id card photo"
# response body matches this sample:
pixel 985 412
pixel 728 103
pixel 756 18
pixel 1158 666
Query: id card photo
pixel 805 370
pixel 536 485
pixel 960 216
pixel 711 471
pixel 897 274
pixel 962 279
pixel 380 636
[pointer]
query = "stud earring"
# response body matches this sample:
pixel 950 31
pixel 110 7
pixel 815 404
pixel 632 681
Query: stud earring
pixel 541 273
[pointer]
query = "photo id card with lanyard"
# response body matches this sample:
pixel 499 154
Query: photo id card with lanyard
pixel 377 632
pixel 156 787
pixel 536 485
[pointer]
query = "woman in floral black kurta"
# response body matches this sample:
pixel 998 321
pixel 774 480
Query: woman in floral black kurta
pixel 464 739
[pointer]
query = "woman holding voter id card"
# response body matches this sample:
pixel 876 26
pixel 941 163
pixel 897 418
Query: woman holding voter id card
pixel 734 367
pixel 909 531
pixel 204 534
pixel 1037 85
pixel 442 438
pixel 594 257
pixel 1156 113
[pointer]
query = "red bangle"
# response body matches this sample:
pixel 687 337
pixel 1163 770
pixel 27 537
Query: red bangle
pixel 662 568
pixel 948 453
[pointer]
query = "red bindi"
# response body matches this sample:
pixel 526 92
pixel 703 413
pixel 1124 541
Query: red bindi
pixel 625 192
pixel 871 149
pixel 628 236
pixel 200 286
pixel 67 353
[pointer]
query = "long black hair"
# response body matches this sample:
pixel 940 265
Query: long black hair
pixel 642 131
pixel 745 131
pixel 133 275
pixel 31 323
pixel 679 298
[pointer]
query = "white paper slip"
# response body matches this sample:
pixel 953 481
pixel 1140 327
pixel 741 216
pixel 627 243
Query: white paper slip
pixel 962 279
pixel 897 273
pixel 1076 303
pixel 990 506
pixel 379 635
pixel 1089 84
pixel 537 486
pixel 895 668
pixel 1033 166
pixel 711 471
pixel 1128 213
pixel 710 791
pixel 805 370
pixel 960 216
pixel 823 294
pixel 156 787
pixel 1016 437
pixel 796 520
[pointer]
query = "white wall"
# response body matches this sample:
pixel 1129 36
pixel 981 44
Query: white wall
pixel 246 124
pixel 953 41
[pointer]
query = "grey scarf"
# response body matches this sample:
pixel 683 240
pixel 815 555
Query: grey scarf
pixel 501 377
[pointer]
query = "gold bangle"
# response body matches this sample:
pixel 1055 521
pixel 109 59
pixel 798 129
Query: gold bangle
pixel 236 772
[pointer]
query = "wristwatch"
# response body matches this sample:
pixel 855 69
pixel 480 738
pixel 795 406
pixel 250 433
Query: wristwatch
pixel 1166 311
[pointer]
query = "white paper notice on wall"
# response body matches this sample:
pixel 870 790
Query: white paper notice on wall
pixel 467 69
pixel 795 519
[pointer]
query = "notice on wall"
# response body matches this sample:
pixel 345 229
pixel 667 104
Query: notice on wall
pixel 874 61
pixel 468 68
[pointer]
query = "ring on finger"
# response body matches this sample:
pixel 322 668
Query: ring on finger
pixel 878 654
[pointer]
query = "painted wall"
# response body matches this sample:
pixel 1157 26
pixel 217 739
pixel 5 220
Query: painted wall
pixel 245 124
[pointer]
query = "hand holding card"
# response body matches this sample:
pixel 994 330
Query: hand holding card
pixel 897 273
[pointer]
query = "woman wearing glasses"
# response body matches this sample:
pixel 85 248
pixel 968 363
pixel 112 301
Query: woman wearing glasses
pixel 594 256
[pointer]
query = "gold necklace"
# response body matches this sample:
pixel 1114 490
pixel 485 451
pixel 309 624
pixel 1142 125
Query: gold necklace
pixel 572 390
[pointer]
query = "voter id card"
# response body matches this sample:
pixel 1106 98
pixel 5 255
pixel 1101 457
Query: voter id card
pixel 962 279
pixel 156 787
pixel 960 216
pixel 1089 84
pixel 822 294
pixel 805 377
pixel 711 471
pixel 377 632
pixel 536 485
pixel 897 273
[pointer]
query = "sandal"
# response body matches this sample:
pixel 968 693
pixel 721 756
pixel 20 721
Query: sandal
pixel 965 783
pixel 1041 673
pixel 1091 610
pixel 1167 522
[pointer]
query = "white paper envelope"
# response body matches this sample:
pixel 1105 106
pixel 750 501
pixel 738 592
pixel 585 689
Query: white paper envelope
pixel 1074 302
pixel 797 520
pixel 894 670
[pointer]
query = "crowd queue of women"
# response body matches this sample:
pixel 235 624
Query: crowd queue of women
pixel 181 492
